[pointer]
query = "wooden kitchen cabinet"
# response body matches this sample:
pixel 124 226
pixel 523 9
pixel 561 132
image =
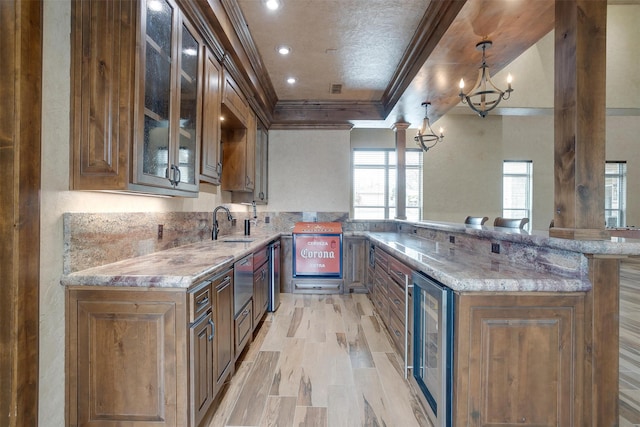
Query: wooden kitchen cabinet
pixel 519 359
pixel 203 360
pixel 127 357
pixel 136 106
pixel 222 288
pixel 260 193
pixel 238 151
pixel 211 157
pixel 392 296
pixel 148 356
pixel 260 284
pixel 234 103
pixel 354 262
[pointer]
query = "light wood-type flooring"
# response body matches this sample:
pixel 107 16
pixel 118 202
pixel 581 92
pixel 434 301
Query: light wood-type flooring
pixel 320 360
pixel 326 361
pixel 630 343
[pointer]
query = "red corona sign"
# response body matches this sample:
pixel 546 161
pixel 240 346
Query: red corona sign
pixel 317 255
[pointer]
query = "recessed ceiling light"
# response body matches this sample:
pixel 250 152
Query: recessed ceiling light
pixel 291 80
pixel 190 51
pixel 155 5
pixel 283 50
pixel 272 4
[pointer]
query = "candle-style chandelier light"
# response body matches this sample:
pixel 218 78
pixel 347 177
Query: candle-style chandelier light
pixel 426 137
pixel 485 96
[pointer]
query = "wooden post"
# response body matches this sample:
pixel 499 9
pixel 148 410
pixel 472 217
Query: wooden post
pixel 580 71
pixel 20 123
pixel 400 130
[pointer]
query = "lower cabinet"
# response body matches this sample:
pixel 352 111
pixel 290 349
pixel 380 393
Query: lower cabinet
pixel 201 379
pixel 149 356
pixel 243 328
pixel 354 263
pixel 519 359
pixel 260 284
pixel 127 357
pixel 224 350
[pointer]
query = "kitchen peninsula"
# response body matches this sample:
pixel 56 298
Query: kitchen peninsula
pixel 533 299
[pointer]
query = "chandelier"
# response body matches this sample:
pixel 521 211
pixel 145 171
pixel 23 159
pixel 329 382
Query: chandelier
pixel 426 137
pixel 485 96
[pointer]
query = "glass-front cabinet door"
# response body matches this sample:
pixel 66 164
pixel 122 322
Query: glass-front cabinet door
pixel 168 116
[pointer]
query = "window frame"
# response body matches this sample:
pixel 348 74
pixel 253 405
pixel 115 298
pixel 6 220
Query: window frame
pixel 389 166
pixel 528 208
pixel 621 176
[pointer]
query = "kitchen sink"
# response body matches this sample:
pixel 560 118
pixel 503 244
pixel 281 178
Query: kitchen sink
pixel 238 240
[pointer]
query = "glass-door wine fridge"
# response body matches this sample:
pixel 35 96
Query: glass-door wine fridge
pixel 433 346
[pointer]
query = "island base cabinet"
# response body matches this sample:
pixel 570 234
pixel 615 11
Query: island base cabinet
pixel 519 360
pixel 126 351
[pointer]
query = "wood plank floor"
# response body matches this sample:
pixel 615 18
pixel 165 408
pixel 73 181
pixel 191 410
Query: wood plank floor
pixel 630 343
pixel 325 361
pixel 320 360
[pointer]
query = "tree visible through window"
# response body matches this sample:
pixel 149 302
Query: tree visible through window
pixel 615 197
pixel 517 189
pixel 374 184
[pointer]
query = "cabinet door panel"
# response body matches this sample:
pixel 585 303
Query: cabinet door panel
pixel 102 93
pixel 126 366
pixel 518 360
pixel 211 166
pixel 225 330
pixel 202 358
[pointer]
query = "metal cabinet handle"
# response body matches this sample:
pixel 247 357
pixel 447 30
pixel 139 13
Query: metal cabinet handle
pixel 203 301
pixel 166 174
pixel 213 329
pixel 261 195
pixel 407 286
pixel 219 168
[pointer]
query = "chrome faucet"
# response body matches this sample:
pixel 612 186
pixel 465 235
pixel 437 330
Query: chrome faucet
pixel 214 232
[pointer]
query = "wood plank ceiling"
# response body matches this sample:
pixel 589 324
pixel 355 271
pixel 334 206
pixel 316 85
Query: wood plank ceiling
pixel 388 55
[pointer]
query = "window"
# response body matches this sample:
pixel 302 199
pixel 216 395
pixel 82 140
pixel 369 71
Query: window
pixel 615 194
pixel 517 185
pixel 374 184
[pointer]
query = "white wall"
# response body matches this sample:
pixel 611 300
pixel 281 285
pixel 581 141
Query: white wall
pixel 309 170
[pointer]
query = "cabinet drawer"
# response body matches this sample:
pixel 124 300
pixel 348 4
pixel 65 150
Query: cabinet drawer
pixel 200 300
pixel 396 330
pixel 260 257
pixel 381 260
pixel 398 271
pixel 396 299
pixel 243 327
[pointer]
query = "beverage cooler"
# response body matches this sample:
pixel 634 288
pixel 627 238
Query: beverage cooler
pixel 317 257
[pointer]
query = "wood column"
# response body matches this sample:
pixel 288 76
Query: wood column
pixel 400 130
pixel 602 343
pixel 580 71
pixel 20 123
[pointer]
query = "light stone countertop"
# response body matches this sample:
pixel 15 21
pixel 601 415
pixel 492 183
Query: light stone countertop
pixel 185 266
pixel 466 271
pixel 179 267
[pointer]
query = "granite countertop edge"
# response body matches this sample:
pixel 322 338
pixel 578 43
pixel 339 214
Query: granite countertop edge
pixel 185 266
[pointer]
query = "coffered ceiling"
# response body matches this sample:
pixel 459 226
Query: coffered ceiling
pixel 373 62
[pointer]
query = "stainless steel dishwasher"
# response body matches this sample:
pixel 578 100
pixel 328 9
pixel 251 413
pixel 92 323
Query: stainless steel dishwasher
pixel 242 283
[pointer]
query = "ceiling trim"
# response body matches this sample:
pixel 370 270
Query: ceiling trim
pixel 311 126
pixel 326 111
pixel 433 25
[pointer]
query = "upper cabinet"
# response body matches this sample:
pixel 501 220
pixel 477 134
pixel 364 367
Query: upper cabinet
pixel 136 114
pixel 238 148
pixel 211 167
pixel 259 194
